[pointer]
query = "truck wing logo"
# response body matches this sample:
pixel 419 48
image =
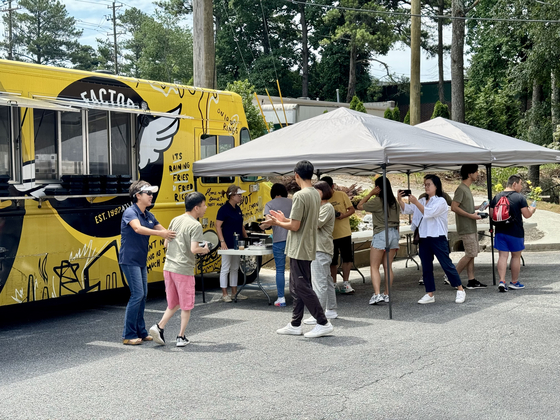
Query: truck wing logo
pixel 157 136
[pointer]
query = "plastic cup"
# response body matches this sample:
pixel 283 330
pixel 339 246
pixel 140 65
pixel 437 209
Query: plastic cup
pixel 241 245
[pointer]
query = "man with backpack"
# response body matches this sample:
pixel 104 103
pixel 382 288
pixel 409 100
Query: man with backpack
pixel 506 211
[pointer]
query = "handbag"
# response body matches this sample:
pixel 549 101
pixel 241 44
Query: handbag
pixel 416 235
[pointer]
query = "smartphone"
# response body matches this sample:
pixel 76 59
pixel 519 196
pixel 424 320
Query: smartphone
pixel 406 193
pixel 483 215
pixel 483 206
pixel 337 214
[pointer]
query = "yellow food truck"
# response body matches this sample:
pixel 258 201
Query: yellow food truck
pixel 71 142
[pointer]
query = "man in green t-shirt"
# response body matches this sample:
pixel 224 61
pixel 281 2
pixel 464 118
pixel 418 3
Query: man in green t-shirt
pixel 178 270
pixel 465 217
pixel 301 246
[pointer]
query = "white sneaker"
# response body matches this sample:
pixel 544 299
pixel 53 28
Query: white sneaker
pixel 280 302
pixel 310 321
pixel 446 280
pixel 461 296
pixel 182 341
pixel 290 330
pixel 225 298
pixel 421 281
pixel 320 330
pixel 346 288
pixel 331 314
pixel 386 298
pixel 239 297
pixel 427 299
pixel 375 299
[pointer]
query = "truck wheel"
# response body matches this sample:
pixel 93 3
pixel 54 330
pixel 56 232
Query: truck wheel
pixel 251 263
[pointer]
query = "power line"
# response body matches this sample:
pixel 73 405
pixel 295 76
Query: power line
pixel 390 13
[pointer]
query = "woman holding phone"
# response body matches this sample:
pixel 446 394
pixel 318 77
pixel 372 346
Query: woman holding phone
pixel 378 256
pixel 430 216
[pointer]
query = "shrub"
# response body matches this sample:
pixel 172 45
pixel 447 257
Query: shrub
pixel 440 110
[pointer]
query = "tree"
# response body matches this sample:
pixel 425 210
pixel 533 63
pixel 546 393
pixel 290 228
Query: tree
pixel 255 121
pixel 85 58
pixel 44 33
pixel 357 105
pixel 440 110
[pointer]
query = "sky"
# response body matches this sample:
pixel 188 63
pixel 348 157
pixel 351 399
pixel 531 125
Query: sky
pixel 91 17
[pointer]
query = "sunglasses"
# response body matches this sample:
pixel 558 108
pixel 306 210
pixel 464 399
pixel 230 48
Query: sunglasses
pixel 147 193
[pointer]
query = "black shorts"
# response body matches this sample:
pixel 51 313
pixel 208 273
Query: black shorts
pixel 344 246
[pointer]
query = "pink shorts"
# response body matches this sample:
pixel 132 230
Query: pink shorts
pixel 179 290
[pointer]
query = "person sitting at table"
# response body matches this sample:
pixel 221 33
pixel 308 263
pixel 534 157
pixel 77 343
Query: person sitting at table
pixel 321 278
pixel 280 201
pixel 229 222
pixel 430 216
pixel 377 255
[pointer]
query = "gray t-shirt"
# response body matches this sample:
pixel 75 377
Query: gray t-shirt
pixel 302 244
pixel 179 258
pixel 325 229
pixel 283 204
pixel 375 206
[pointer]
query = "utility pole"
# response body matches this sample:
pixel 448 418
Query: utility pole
pixel 114 19
pixel 415 63
pixel 203 44
pixel 10 9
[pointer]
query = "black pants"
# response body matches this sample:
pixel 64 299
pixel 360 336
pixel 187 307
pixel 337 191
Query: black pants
pixel 303 294
pixel 438 247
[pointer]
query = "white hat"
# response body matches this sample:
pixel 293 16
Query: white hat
pixel 152 188
pixel 239 191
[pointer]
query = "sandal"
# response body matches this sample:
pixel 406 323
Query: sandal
pixel 148 338
pixel 132 341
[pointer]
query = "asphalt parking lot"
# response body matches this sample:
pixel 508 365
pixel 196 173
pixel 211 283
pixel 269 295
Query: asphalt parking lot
pixel 493 357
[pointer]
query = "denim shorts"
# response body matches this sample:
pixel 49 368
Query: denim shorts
pixel 378 241
pixel 508 243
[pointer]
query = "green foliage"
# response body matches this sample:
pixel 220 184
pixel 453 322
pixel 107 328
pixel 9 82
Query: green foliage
pixel 500 176
pixel 357 105
pixel 440 110
pixel 254 119
pixel 388 114
pixel 407 118
pixel 354 222
pixel 396 114
pixel 44 33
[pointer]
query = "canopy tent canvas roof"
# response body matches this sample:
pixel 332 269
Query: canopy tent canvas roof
pixel 506 150
pixel 343 141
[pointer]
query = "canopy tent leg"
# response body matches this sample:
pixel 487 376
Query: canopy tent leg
pixel 387 250
pixel 489 188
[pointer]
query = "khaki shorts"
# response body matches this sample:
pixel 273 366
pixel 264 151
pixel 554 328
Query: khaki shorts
pixel 470 243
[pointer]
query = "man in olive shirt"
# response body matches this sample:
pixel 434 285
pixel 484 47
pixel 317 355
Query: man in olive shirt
pixel 178 270
pixel 301 245
pixel 465 217
pixel 342 235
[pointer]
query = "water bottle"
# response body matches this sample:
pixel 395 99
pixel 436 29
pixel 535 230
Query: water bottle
pixel 235 241
pixel 534 203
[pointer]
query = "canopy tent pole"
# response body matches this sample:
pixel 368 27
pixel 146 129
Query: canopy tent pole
pixel 387 249
pixel 200 257
pixel 489 188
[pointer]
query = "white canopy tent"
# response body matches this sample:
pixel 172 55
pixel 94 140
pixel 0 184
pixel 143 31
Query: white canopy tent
pixel 506 150
pixel 344 141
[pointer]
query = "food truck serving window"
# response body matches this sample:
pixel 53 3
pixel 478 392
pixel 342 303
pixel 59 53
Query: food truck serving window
pixel 208 147
pixel 9 139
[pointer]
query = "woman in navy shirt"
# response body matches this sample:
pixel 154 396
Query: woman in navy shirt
pixel 229 222
pixel 136 227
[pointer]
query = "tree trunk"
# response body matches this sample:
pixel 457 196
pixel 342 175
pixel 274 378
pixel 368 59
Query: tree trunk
pixel 441 91
pixel 554 97
pixel 203 44
pixel 457 71
pixel 536 100
pixel 352 73
pixel 304 54
pixel 415 86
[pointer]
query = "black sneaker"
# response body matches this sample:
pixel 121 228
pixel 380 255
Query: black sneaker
pixel 157 333
pixel 475 284
pixel 182 341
